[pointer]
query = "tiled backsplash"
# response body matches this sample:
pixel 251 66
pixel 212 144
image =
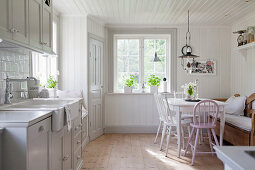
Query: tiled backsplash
pixel 14 64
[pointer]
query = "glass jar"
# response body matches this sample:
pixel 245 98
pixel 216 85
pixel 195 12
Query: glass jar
pixel 250 34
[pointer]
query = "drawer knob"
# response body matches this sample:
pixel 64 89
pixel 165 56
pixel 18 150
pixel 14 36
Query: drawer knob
pixel 78 157
pixel 65 158
pixel 78 141
pixel 41 129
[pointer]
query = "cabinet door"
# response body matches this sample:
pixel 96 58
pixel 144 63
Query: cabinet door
pixel 20 20
pixel 57 150
pixel 47 25
pixel 67 149
pixel 39 145
pixel 5 24
pixel 35 23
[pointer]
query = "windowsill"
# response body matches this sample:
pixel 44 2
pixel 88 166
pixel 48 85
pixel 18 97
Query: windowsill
pixel 134 93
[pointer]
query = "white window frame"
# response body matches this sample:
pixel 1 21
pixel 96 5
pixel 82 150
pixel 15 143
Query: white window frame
pixel 141 39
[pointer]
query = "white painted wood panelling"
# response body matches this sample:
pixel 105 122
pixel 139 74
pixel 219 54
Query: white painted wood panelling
pixel 208 43
pixel 242 63
pixel 95 27
pixel 73 54
pixel 126 113
pixel 155 12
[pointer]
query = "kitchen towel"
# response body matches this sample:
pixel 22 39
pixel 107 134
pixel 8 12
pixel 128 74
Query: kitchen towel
pixel 68 112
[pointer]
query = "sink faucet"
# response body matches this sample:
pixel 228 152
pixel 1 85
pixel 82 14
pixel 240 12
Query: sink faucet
pixel 8 89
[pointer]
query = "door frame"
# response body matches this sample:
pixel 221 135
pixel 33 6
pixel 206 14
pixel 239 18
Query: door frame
pixel 95 37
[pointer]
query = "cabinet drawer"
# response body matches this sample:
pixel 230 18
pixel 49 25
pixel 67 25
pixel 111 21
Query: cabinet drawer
pixel 77 126
pixel 77 158
pixel 77 142
pixel 43 126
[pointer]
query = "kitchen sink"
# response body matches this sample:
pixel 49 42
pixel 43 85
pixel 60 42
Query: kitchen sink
pixel 49 104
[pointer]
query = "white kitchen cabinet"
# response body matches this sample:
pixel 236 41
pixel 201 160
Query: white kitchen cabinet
pixel 47 26
pixel 27 22
pixel 19 20
pixel 35 23
pixel 39 145
pixel 61 150
pixel 27 148
pixel 5 24
pixel 14 20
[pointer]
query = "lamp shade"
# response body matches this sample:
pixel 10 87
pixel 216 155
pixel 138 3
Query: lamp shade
pixel 188 55
pixel 156 59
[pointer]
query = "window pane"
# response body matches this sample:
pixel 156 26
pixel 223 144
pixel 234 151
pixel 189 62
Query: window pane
pixel 127 61
pixel 152 46
pixel 149 47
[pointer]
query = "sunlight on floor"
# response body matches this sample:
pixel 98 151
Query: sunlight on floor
pixel 161 157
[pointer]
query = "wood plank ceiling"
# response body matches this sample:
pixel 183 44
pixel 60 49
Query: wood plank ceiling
pixel 158 12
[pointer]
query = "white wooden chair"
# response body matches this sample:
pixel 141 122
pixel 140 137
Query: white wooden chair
pixel 168 120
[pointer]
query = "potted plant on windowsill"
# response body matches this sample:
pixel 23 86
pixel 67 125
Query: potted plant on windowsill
pixel 154 82
pixel 51 85
pixel 130 84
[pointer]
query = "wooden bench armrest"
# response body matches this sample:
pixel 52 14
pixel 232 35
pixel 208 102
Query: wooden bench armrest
pixel 252 112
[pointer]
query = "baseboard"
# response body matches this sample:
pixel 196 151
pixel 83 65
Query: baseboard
pixel 130 129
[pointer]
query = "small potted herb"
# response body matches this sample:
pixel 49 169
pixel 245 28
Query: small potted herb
pixel 154 82
pixel 51 85
pixel 130 84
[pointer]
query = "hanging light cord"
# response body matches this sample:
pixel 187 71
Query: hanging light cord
pixel 188 33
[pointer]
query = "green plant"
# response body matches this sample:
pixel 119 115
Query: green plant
pixel 131 82
pixel 154 80
pixel 190 90
pixel 51 83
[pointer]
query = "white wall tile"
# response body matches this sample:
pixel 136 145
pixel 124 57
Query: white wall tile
pixel 15 65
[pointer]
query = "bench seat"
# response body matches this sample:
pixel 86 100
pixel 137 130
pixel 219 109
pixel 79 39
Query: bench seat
pixel 241 122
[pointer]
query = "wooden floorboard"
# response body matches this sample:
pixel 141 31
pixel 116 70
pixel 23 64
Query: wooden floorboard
pixel 137 152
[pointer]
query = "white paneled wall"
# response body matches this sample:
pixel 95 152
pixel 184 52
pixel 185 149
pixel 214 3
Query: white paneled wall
pixel 242 63
pixel 73 53
pixel 125 113
pixel 14 64
pixel 95 27
pixel 208 43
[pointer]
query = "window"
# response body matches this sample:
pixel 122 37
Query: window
pixel 134 56
pixel 46 65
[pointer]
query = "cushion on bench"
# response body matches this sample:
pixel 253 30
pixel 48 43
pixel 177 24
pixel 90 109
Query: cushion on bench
pixel 241 122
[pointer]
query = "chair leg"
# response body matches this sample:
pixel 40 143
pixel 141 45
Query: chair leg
pixel 162 136
pixel 159 126
pixel 188 143
pixel 195 146
pixel 215 138
pixel 182 135
pixel 210 139
pixel 168 139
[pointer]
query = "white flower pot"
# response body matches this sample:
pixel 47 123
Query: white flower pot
pixel 52 92
pixel 127 89
pixel 154 89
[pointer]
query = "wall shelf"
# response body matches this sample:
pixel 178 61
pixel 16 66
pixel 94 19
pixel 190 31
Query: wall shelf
pixel 246 46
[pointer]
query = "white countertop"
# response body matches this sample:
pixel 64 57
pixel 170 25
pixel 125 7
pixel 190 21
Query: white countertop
pixel 27 118
pixel 236 157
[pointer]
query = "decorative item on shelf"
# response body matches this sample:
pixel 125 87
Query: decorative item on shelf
pixel 241 39
pixel 44 93
pixel 165 85
pixel 187 52
pixel 130 84
pixel 250 34
pixel 191 91
pixel 51 85
pixel 154 82
pixel 33 88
